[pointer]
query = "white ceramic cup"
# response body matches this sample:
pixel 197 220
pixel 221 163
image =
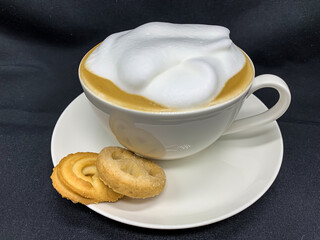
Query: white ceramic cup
pixel 173 135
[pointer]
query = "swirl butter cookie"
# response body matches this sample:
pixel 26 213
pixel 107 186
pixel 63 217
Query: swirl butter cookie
pixel 76 178
pixel 129 174
pixel 67 193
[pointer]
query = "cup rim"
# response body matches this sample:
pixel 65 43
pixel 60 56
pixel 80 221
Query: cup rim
pixel 190 112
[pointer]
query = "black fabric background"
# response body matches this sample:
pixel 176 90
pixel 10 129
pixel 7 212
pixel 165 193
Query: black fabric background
pixel 41 44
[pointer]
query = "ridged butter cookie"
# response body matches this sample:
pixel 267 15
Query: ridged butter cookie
pixel 76 178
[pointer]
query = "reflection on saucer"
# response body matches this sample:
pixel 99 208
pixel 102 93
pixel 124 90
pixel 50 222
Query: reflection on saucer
pixel 135 139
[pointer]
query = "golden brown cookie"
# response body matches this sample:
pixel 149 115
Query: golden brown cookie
pixel 129 174
pixel 67 193
pixel 76 178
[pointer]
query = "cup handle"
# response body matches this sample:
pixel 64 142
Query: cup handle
pixel 264 81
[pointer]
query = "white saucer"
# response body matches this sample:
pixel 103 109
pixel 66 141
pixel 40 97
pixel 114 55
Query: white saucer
pixel 208 187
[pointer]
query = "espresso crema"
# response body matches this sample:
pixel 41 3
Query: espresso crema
pixel 163 67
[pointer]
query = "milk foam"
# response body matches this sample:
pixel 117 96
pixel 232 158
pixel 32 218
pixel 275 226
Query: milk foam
pixel 176 65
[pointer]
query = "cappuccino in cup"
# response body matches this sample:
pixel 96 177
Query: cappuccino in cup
pixel 167 91
pixel 164 67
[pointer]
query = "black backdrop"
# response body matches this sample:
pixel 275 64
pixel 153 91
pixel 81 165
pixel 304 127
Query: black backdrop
pixel 41 44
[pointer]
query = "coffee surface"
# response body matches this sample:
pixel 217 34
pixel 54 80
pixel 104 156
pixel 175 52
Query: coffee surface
pixel 179 66
pixel 108 91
